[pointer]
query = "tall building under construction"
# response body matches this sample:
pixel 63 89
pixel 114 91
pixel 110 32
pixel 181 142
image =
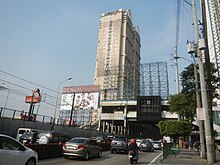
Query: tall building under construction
pixel 118 57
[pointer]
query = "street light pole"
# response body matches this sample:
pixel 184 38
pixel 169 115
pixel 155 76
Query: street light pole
pixel 58 92
pixel 6 100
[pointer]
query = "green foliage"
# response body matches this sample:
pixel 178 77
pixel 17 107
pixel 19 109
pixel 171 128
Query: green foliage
pixel 183 104
pixel 187 78
pixel 175 129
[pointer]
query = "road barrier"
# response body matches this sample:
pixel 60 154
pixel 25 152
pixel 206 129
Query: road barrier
pixel 166 149
pixel 53 150
pixel 47 150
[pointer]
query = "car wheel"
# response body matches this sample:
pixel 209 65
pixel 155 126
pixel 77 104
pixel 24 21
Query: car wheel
pixel 31 162
pixel 86 156
pixel 112 151
pixel 66 157
pixel 100 154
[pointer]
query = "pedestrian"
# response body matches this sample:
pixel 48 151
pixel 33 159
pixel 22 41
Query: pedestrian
pixel 22 115
pixel 197 145
pixel 187 144
pixel 191 144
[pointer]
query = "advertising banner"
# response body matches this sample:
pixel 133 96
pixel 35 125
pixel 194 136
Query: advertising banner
pixel 82 100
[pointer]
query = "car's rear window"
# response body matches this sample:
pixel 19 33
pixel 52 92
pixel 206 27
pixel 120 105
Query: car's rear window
pixel 156 142
pixel 77 140
pixel 43 134
pixel 21 131
pixel 119 139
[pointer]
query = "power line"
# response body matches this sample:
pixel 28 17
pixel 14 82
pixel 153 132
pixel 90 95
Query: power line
pixel 28 81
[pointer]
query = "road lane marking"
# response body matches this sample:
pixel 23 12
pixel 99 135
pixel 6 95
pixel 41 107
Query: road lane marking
pixel 110 159
pixel 152 161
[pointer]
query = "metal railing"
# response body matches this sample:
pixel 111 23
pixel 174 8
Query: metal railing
pixel 21 115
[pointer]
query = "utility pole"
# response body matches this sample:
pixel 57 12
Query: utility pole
pixel 208 71
pixel 200 122
pixel 177 76
pixel 208 135
pixel 177 71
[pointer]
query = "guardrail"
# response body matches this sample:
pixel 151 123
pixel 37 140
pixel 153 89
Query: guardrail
pixel 21 115
pixel 53 150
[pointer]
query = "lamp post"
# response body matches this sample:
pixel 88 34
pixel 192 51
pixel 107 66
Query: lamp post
pixel 58 92
pixel 6 100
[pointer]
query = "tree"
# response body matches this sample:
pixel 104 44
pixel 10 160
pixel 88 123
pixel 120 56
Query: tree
pixel 184 105
pixel 175 129
pixel 187 78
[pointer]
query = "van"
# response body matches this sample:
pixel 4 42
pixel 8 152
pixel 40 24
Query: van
pixel 21 131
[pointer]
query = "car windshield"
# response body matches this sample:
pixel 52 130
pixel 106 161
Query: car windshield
pixel 77 140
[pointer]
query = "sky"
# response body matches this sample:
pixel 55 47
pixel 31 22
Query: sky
pixel 44 42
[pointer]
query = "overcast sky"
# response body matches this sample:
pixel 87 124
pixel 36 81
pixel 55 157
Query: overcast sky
pixel 46 41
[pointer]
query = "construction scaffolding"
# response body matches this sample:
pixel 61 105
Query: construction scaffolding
pixel 121 83
pixel 128 82
pixel 154 80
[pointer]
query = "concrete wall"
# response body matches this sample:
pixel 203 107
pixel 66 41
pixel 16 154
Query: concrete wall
pixel 10 126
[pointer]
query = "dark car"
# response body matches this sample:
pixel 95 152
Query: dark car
pixel 45 137
pixel 81 147
pixel 119 144
pixel 146 146
pixel 29 137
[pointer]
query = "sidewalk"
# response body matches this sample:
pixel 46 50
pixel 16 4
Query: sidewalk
pixel 187 157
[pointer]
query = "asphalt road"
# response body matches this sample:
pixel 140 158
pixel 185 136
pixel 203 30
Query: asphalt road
pixel 145 158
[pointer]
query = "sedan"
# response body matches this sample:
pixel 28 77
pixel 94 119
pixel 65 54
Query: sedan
pixel 13 152
pixel 157 145
pixel 81 147
pixel 146 146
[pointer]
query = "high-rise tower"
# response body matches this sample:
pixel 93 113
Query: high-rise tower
pixel 118 56
pixel 213 29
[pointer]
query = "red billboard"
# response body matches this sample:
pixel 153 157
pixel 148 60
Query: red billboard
pixel 35 98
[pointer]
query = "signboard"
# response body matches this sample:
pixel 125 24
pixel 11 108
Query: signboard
pixel 149 108
pixel 200 114
pixel 29 99
pixel 84 102
pixel 35 98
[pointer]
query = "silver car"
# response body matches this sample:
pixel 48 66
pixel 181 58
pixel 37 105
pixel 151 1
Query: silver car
pixel 81 147
pixel 13 152
pixel 157 145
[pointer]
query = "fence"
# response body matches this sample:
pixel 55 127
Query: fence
pixel 21 115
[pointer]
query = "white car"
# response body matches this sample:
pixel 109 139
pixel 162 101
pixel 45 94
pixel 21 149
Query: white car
pixel 13 152
pixel 157 145
pixel 138 141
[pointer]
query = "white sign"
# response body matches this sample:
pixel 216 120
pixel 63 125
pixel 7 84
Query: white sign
pixel 200 114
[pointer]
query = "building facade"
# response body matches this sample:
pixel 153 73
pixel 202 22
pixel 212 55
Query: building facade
pixel 118 56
